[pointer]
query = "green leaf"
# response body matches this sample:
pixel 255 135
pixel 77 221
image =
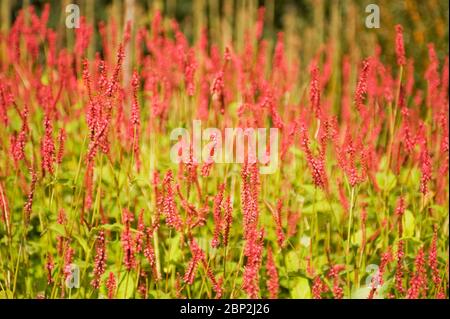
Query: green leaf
pixel 309 189
pixel 319 206
pixel 292 261
pixel 296 151
pixel 357 238
pixel 386 181
pixel 409 223
pixel 301 290
pixel 58 228
pixel 284 282
pixel 44 79
pixel 414 177
pixel 383 163
pixel 113 227
pixel 82 242
pixel 126 286
pixel 233 106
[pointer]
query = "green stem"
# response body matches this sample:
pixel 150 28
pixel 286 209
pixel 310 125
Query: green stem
pixel 347 249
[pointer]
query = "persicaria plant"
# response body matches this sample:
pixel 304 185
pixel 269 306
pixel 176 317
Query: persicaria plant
pixel 226 154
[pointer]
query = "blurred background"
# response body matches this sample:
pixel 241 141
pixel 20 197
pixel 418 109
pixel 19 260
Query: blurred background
pixel 337 24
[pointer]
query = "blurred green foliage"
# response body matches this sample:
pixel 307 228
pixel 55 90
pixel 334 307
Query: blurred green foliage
pixel 424 21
